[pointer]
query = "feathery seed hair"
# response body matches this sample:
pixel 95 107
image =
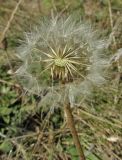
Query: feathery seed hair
pixel 62 51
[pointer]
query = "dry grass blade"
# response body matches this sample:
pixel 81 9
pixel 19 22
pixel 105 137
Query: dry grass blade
pixel 9 21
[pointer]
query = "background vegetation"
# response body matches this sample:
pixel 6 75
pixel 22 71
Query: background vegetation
pixel 29 131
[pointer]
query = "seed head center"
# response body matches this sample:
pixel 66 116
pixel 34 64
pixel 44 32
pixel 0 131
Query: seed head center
pixel 60 62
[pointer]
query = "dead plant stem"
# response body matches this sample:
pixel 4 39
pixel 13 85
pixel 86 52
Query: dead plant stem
pixel 111 22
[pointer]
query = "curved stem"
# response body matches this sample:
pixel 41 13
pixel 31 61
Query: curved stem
pixel 71 125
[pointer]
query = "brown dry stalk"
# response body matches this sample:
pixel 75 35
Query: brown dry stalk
pixel 39 5
pixel 9 21
pixel 71 125
pixel 111 22
pixel 9 83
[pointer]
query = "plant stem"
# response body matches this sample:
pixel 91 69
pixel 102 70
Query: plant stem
pixel 71 124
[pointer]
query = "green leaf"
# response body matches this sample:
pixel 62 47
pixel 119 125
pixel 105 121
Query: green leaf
pixel 5 111
pixel 92 157
pixel 73 152
pixel 6 146
pixel 6 119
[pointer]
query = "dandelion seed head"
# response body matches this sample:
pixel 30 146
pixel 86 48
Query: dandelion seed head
pixel 63 52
